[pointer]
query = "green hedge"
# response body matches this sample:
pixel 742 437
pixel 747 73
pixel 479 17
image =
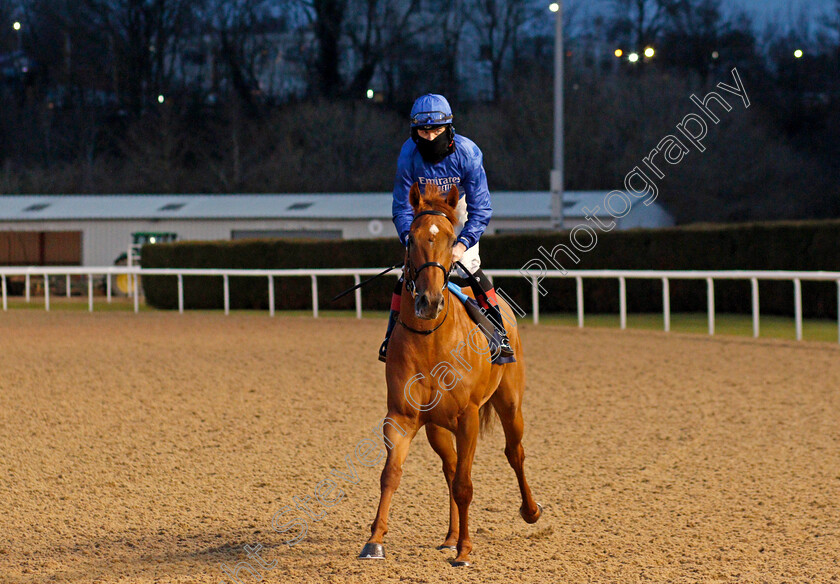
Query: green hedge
pixel 758 246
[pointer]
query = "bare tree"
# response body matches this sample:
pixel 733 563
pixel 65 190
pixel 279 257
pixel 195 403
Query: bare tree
pixel 497 24
pixel 831 23
pixel 145 36
pixel 638 22
pixel 8 36
pixel 693 30
pixel 376 28
pixel 246 43
pixel 452 21
pixel 325 19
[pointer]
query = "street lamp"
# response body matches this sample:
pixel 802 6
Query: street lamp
pixel 618 53
pixel 649 52
pixel 556 177
pixel 633 57
pixel 17 28
pixel 798 53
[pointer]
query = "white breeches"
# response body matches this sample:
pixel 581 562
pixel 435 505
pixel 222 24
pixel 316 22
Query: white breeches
pixel 471 260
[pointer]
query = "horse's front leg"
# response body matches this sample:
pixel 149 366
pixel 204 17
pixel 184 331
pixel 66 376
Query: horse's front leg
pixel 466 439
pixel 441 441
pixel 398 432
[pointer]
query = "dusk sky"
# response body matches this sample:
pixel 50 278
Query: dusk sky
pixel 784 10
pixel 762 11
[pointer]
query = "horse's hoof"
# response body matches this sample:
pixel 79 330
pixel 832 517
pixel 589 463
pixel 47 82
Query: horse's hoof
pixel 448 548
pixel 533 519
pixel 461 564
pixel 372 551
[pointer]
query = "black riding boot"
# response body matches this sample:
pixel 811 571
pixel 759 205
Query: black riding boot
pixel 392 319
pixel 485 295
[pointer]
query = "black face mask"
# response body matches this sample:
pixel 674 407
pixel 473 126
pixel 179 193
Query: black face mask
pixel 433 151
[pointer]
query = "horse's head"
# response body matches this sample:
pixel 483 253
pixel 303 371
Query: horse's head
pixel 429 251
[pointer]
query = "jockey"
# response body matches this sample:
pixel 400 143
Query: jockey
pixel 435 154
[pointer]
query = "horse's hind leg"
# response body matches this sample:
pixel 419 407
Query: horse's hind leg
pixel 442 442
pixel 507 401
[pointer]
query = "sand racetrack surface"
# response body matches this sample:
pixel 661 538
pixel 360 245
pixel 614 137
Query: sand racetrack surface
pixel 153 447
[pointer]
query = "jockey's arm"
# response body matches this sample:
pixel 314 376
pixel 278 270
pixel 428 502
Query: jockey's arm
pixel 400 207
pixel 479 209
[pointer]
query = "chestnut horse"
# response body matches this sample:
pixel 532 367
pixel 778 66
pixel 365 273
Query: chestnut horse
pixel 439 378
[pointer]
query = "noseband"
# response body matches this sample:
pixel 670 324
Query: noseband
pixel 412 273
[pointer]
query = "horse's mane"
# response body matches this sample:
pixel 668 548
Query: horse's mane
pixel 431 200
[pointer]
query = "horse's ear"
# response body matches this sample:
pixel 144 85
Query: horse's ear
pixel 452 197
pixel 414 196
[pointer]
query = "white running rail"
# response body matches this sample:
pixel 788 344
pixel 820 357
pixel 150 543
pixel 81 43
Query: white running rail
pixel 796 278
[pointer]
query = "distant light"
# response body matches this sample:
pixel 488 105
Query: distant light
pixel 715 55
pixel 798 53
pixel 25 70
pixel 370 93
pixel 633 57
pixel 16 26
pixel 161 99
pixel 649 52
pixel 152 240
pixel 554 7
pixel 619 52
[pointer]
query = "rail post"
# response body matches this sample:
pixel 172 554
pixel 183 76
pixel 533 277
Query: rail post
pixel 579 292
pixel 67 285
pixel 357 280
pixel 755 310
pixel 270 295
pixel 314 295
pixel 797 306
pixel 226 284
pixel 622 301
pixel 535 299
pixel 28 295
pixel 710 295
pixel 46 292
pixel 90 292
pixel 666 305
pixel 180 293
pixel 6 300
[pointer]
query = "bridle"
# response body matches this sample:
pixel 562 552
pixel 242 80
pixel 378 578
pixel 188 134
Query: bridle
pixel 412 273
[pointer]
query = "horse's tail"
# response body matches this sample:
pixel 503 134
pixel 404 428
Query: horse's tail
pixel 486 418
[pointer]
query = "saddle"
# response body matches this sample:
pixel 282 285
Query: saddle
pixel 484 324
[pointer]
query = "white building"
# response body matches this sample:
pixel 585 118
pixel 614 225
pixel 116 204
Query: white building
pixel 92 230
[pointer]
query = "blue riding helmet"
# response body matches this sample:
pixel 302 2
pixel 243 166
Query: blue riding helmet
pixel 430 110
